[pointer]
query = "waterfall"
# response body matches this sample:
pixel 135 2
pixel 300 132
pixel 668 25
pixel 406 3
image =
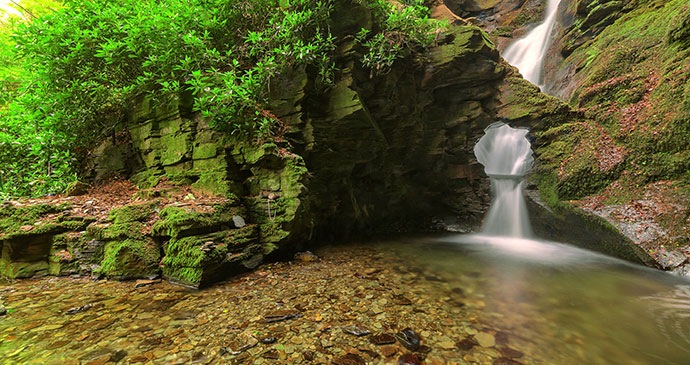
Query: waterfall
pixel 527 53
pixel 506 155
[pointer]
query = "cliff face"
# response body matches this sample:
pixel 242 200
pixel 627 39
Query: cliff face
pixel 371 154
pixel 624 67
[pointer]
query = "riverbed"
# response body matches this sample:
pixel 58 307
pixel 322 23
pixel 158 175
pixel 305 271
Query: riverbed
pixel 468 301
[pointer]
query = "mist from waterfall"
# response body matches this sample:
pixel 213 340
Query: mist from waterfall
pixel 527 53
pixel 506 155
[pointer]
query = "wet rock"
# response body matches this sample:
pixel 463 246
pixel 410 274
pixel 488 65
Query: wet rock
pixel 485 339
pixel 118 355
pixel 409 359
pixel 306 256
pixel 424 349
pixel 356 331
pixel 281 315
pixel 510 353
pixel 501 338
pixel 388 351
pixel 76 310
pixel 143 283
pixel 349 359
pixel 308 355
pixel 409 339
pixel 401 300
pixel 244 341
pixel 268 340
pixel 198 358
pixel 271 354
pixel 466 344
pixel 382 339
pixel 505 361
pixel 100 360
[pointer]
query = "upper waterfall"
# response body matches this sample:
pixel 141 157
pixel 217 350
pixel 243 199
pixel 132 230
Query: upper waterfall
pixel 527 53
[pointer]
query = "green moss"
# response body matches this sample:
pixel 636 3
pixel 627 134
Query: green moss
pixel 194 259
pixel 177 222
pixel 139 212
pixel 130 259
pixel 214 182
pixel 15 270
pixel 112 232
pixel 13 218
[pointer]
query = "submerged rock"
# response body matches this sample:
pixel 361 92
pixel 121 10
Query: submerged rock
pixel 281 315
pixel 485 339
pixel 356 331
pixel 409 359
pixel 382 339
pixel 76 310
pixel 349 359
pixel 306 256
pixel 409 339
pixel 466 343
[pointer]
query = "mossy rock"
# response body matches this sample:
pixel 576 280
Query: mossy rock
pixel 62 259
pixel 178 222
pixel 115 232
pixel 130 259
pixel 12 219
pixel 139 212
pixel 18 269
pixel 199 260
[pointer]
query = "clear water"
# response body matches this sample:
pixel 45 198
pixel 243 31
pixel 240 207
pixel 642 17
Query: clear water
pixel 553 303
pixel 564 305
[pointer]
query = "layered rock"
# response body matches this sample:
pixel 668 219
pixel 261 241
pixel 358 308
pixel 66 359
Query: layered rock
pixel 374 153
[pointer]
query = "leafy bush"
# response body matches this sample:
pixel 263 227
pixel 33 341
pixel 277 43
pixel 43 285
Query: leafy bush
pixel 73 71
pixel 402 28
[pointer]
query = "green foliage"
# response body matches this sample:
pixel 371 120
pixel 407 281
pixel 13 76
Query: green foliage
pixel 401 28
pixel 32 160
pixel 70 74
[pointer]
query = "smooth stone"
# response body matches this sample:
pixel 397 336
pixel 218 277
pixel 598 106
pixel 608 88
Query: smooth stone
pixel 409 359
pixel 409 339
pixel 356 331
pixel 485 339
pixel 382 339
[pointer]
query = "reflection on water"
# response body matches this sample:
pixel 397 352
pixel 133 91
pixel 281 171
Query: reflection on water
pixel 672 313
pixel 569 305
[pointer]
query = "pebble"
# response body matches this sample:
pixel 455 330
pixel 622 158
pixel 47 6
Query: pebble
pixel 409 359
pixel 382 339
pixel 349 359
pixel 306 256
pixel 388 351
pixel 409 339
pixel 485 339
pixel 356 331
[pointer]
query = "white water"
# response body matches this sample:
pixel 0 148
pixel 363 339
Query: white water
pixel 506 155
pixel 527 53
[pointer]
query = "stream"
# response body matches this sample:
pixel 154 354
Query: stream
pixel 510 302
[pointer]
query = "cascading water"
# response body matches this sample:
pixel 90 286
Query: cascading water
pixel 527 53
pixel 506 155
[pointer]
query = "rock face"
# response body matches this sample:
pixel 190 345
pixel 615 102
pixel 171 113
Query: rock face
pixel 371 154
pixel 624 66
